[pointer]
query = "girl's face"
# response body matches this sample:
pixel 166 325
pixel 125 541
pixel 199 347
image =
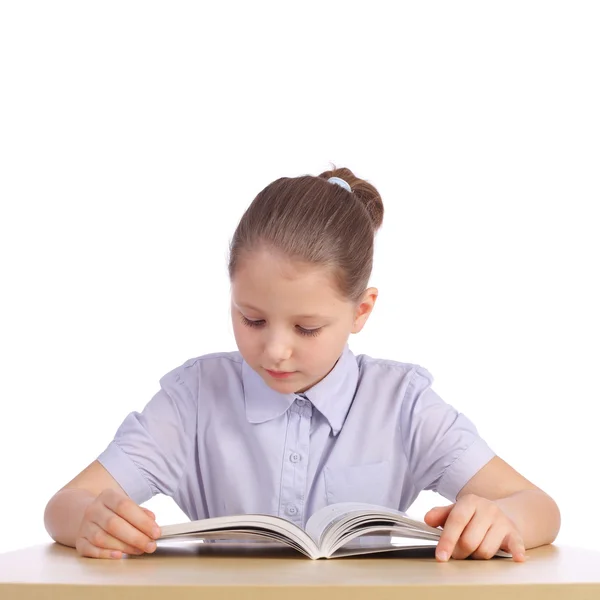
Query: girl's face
pixel 289 322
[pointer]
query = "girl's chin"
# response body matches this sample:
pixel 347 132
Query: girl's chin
pixel 289 386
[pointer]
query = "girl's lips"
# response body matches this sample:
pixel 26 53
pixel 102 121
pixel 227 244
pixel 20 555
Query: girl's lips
pixel 280 374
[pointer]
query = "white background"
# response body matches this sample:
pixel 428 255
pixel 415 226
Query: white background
pixel 134 134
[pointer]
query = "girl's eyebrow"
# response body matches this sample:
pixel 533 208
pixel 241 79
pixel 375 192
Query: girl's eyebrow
pixel 294 317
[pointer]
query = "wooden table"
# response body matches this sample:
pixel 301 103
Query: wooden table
pixel 225 571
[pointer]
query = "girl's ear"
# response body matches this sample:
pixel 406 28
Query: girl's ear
pixel 364 309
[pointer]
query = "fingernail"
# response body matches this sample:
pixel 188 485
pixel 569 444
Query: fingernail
pixel 442 556
pixel 151 547
pixel 155 532
pixel 115 554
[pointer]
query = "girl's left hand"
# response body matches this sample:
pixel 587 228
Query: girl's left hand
pixel 476 527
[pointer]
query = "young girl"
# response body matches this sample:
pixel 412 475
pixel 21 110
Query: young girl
pixel 294 420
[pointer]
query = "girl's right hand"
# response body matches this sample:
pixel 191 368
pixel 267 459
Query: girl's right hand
pixel 113 525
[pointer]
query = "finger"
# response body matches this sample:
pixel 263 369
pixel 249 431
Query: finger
pixel 491 543
pixel 133 514
pixel 102 539
pixel 456 522
pixel 119 528
pixel 516 546
pixel 437 516
pixel 85 548
pixel 149 513
pixel 473 535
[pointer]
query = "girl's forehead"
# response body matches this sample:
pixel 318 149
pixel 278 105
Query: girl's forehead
pixel 264 269
pixel 285 296
pixel 297 293
pixel 275 262
pixel 269 282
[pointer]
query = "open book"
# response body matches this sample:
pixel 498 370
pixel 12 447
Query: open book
pixel 342 529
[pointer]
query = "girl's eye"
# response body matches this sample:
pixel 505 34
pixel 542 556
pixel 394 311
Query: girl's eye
pixel 252 323
pixel 301 330
pixel 311 332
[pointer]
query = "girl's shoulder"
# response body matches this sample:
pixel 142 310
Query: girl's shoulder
pixel 370 365
pixel 213 358
pixel 214 364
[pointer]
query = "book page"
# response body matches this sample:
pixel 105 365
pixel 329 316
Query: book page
pixel 353 549
pixel 336 525
pixel 259 525
pixel 237 536
pixel 339 514
pixel 381 536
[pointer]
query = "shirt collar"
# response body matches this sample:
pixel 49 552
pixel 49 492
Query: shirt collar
pixel 332 396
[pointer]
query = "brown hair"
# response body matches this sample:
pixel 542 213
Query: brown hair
pixel 309 219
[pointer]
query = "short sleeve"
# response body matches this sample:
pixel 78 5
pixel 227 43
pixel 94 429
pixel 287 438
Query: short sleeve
pixel 150 449
pixel 442 446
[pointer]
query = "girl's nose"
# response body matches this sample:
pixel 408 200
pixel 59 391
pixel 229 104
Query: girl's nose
pixel 278 351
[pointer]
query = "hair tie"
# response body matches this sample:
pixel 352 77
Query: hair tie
pixel 339 181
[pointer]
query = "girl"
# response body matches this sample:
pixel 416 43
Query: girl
pixel 294 420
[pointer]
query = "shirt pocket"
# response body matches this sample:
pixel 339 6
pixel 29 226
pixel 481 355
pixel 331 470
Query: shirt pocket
pixel 358 483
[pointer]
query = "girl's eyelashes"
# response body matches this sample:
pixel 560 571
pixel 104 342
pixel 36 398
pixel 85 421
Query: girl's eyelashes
pixel 251 323
pixel 261 322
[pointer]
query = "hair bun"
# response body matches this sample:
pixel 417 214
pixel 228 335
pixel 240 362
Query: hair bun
pixel 363 190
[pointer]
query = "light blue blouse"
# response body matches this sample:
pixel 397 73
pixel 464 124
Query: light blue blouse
pixel 219 441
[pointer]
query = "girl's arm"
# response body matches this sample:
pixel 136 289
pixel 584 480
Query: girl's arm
pixel 94 514
pixel 534 512
pixel 497 508
pixel 64 512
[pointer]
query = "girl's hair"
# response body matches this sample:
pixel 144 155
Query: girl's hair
pixel 314 221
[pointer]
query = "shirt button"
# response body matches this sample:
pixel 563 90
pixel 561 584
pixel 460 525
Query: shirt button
pixel 292 510
pixel 300 401
pixel 294 457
